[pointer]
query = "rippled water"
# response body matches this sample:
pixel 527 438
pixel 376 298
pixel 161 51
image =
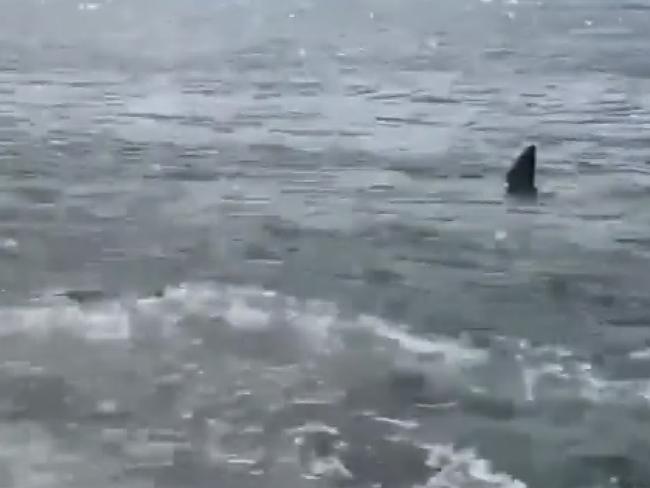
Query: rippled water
pixel 252 243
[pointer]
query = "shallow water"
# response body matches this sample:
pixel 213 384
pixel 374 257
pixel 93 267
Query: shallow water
pixel 265 244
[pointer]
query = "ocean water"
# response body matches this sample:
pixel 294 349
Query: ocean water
pixel 265 244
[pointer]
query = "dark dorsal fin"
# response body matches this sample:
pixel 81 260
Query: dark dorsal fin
pixel 521 176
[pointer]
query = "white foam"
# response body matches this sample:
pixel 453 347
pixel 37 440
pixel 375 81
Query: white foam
pixel 464 468
pixel 88 6
pixel 452 351
pixel 640 354
pixel 241 314
pixel 8 244
pixel 329 467
pixel 404 424
pixel 316 321
pixel 556 373
pixel 310 428
pixel 534 373
pixel 105 322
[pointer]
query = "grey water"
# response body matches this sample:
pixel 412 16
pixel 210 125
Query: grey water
pixel 248 243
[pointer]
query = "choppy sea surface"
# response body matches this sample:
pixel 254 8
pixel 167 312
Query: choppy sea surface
pixel 265 244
